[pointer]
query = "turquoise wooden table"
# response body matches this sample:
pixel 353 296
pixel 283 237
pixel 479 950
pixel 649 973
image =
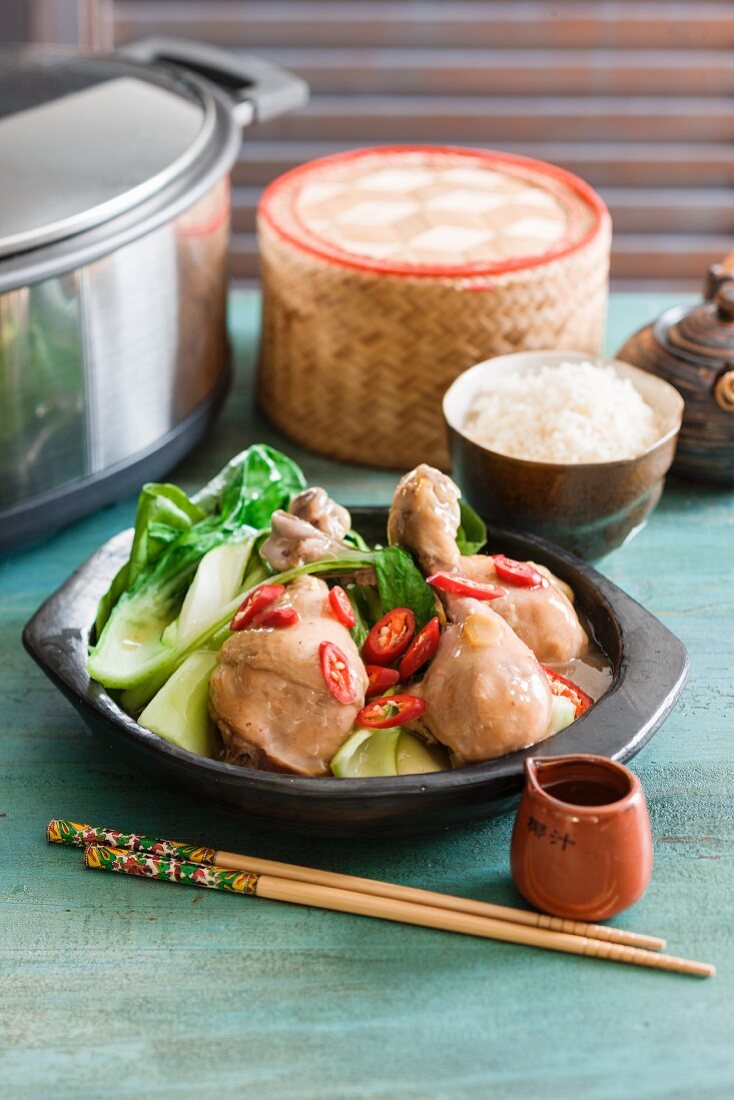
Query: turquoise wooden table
pixel 112 987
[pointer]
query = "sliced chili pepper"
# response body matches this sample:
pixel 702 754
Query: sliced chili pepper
pixel 389 637
pixel 337 673
pixel 277 617
pixel 255 602
pixel 391 710
pixel 341 606
pixel 518 573
pixel 421 649
pixel 462 586
pixel 559 685
pixel 380 679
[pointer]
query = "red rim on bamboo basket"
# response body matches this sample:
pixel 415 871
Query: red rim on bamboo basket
pixel 557 181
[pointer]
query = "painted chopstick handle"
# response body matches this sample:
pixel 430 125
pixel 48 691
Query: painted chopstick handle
pixel 82 836
pixel 100 858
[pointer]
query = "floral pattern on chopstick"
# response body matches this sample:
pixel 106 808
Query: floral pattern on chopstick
pixel 81 836
pixel 148 865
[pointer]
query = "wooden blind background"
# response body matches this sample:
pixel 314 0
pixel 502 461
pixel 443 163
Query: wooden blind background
pixel 634 95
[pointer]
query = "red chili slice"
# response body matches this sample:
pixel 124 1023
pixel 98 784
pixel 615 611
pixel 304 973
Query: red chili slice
pixel 390 637
pixel 380 679
pixel 337 673
pixel 255 602
pixel 421 649
pixel 462 586
pixel 277 617
pixel 391 710
pixel 518 573
pixel 341 606
pixel 559 685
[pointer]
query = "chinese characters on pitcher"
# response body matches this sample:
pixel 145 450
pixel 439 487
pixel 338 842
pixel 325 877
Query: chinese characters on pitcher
pixel 540 830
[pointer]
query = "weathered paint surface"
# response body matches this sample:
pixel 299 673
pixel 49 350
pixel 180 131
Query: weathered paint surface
pixel 113 987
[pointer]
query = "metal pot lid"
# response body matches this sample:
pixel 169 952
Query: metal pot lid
pixel 84 139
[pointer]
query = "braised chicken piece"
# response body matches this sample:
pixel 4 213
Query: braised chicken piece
pixel 268 694
pixel 424 518
pixel 310 530
pixel 317 508
pixel 543 617
pixel 485 692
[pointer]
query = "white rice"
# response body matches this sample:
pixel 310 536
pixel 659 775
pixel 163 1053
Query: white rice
pixel 572 412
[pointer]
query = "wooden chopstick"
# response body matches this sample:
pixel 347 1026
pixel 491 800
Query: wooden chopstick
pixel 70 832
pixel 448 902
pixel 350 901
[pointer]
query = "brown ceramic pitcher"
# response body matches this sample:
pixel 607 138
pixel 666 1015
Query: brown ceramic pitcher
pixel 581 845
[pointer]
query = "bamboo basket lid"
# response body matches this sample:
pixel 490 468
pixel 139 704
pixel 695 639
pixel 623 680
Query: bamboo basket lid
pixel 450 212
pixel 367 260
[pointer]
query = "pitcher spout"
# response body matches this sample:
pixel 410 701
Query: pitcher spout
pixel 531 770
pixel 537 769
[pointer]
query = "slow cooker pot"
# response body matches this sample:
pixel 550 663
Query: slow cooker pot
pixel 114 235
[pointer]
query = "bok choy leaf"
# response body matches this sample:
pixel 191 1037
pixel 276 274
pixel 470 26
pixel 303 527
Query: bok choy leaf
pixel 163 513
pixel 173 533
pixel 472 534
pixel 401 584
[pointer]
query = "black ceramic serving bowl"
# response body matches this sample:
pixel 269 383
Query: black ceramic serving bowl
pixel 650 667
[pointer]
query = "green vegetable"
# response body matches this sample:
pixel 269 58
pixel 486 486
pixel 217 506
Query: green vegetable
pixel 135 644
pixel 179 712
pixel 415 756
pixel 472 533
pixel 368 753
pixel 353 538
pixel 218 579
pixel 341 764
pixel 365 601
pixel 375 754
pixel 252 485
pixel 401 584
pixel 563 713
pixel 164 511
pixel 132 644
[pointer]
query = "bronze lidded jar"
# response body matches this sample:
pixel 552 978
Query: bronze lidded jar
pixel 693 348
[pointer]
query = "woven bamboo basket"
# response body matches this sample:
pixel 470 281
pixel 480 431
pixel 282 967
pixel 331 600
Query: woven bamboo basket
pixel 386 272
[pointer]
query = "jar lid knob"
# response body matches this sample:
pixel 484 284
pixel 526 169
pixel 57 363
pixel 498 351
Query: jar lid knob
pixel 724 300
pixel 718 274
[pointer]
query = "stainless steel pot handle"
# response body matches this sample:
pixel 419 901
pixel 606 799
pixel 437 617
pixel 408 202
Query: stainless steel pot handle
pixel 254 87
